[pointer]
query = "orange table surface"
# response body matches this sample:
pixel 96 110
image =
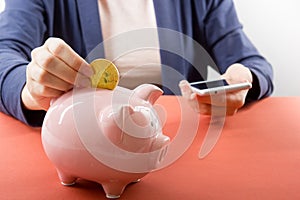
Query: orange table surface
pixel 256 157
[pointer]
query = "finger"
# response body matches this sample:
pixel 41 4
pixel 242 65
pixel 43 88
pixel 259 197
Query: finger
pixel 188 94
pixel 39 91
pixel 218 100
pixel 208 109
pixel 236 99
pixel 236 72
pixel 44 101
pixel 64 52
pixel 231 99
pixel 234 80
pixel 43 77
pixel 185 89
pixel 44 59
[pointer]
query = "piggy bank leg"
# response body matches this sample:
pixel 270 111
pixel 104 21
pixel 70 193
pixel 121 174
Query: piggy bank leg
pixel 113 189
pixel 66 179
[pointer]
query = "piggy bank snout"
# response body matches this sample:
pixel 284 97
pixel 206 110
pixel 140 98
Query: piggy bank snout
pixel 139 121
pixel 133 129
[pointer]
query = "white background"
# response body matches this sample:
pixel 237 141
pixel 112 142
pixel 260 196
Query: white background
pixel 1 5
pixel 274 27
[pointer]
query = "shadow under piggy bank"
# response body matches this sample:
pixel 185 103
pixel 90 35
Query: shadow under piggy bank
pixel 112 137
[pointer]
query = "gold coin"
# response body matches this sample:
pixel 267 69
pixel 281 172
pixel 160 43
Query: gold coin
pixel 106 74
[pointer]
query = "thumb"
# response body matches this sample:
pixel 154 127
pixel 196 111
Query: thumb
pixel 189 95
pixel 185 89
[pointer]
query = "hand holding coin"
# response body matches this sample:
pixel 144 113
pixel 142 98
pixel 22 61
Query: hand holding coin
pixel 55 68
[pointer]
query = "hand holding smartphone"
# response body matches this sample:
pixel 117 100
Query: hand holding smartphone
pixel 205 88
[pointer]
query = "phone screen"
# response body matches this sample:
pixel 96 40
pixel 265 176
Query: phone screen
pixel 209 84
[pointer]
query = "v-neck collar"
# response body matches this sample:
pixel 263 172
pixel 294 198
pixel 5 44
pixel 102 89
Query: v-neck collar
pixel 166 16
pixel 90 23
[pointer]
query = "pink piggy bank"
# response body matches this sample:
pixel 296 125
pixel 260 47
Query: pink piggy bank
pixel 112 137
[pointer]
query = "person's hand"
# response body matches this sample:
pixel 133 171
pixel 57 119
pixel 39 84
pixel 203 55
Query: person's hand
pixel 228 103
pixel 53 71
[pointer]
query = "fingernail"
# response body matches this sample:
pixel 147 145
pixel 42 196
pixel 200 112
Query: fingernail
pixel 183 82
pixel 193 96
pixel 87 70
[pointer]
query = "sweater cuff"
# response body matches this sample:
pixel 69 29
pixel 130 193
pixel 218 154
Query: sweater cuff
pixel 12 88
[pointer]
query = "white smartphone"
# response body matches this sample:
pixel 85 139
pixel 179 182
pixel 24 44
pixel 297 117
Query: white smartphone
pixel 213 87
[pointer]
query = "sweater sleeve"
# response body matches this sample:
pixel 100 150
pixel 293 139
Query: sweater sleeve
pixel 22 29
pixel 229 44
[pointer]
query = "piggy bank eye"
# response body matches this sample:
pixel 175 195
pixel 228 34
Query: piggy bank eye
pixel 152 123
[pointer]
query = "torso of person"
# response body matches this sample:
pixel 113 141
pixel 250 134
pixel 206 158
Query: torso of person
pixel 122 18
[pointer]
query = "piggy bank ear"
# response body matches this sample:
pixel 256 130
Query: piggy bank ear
pixel 148 92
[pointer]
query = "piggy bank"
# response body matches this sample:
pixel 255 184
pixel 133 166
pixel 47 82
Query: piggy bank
pixel 112 137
